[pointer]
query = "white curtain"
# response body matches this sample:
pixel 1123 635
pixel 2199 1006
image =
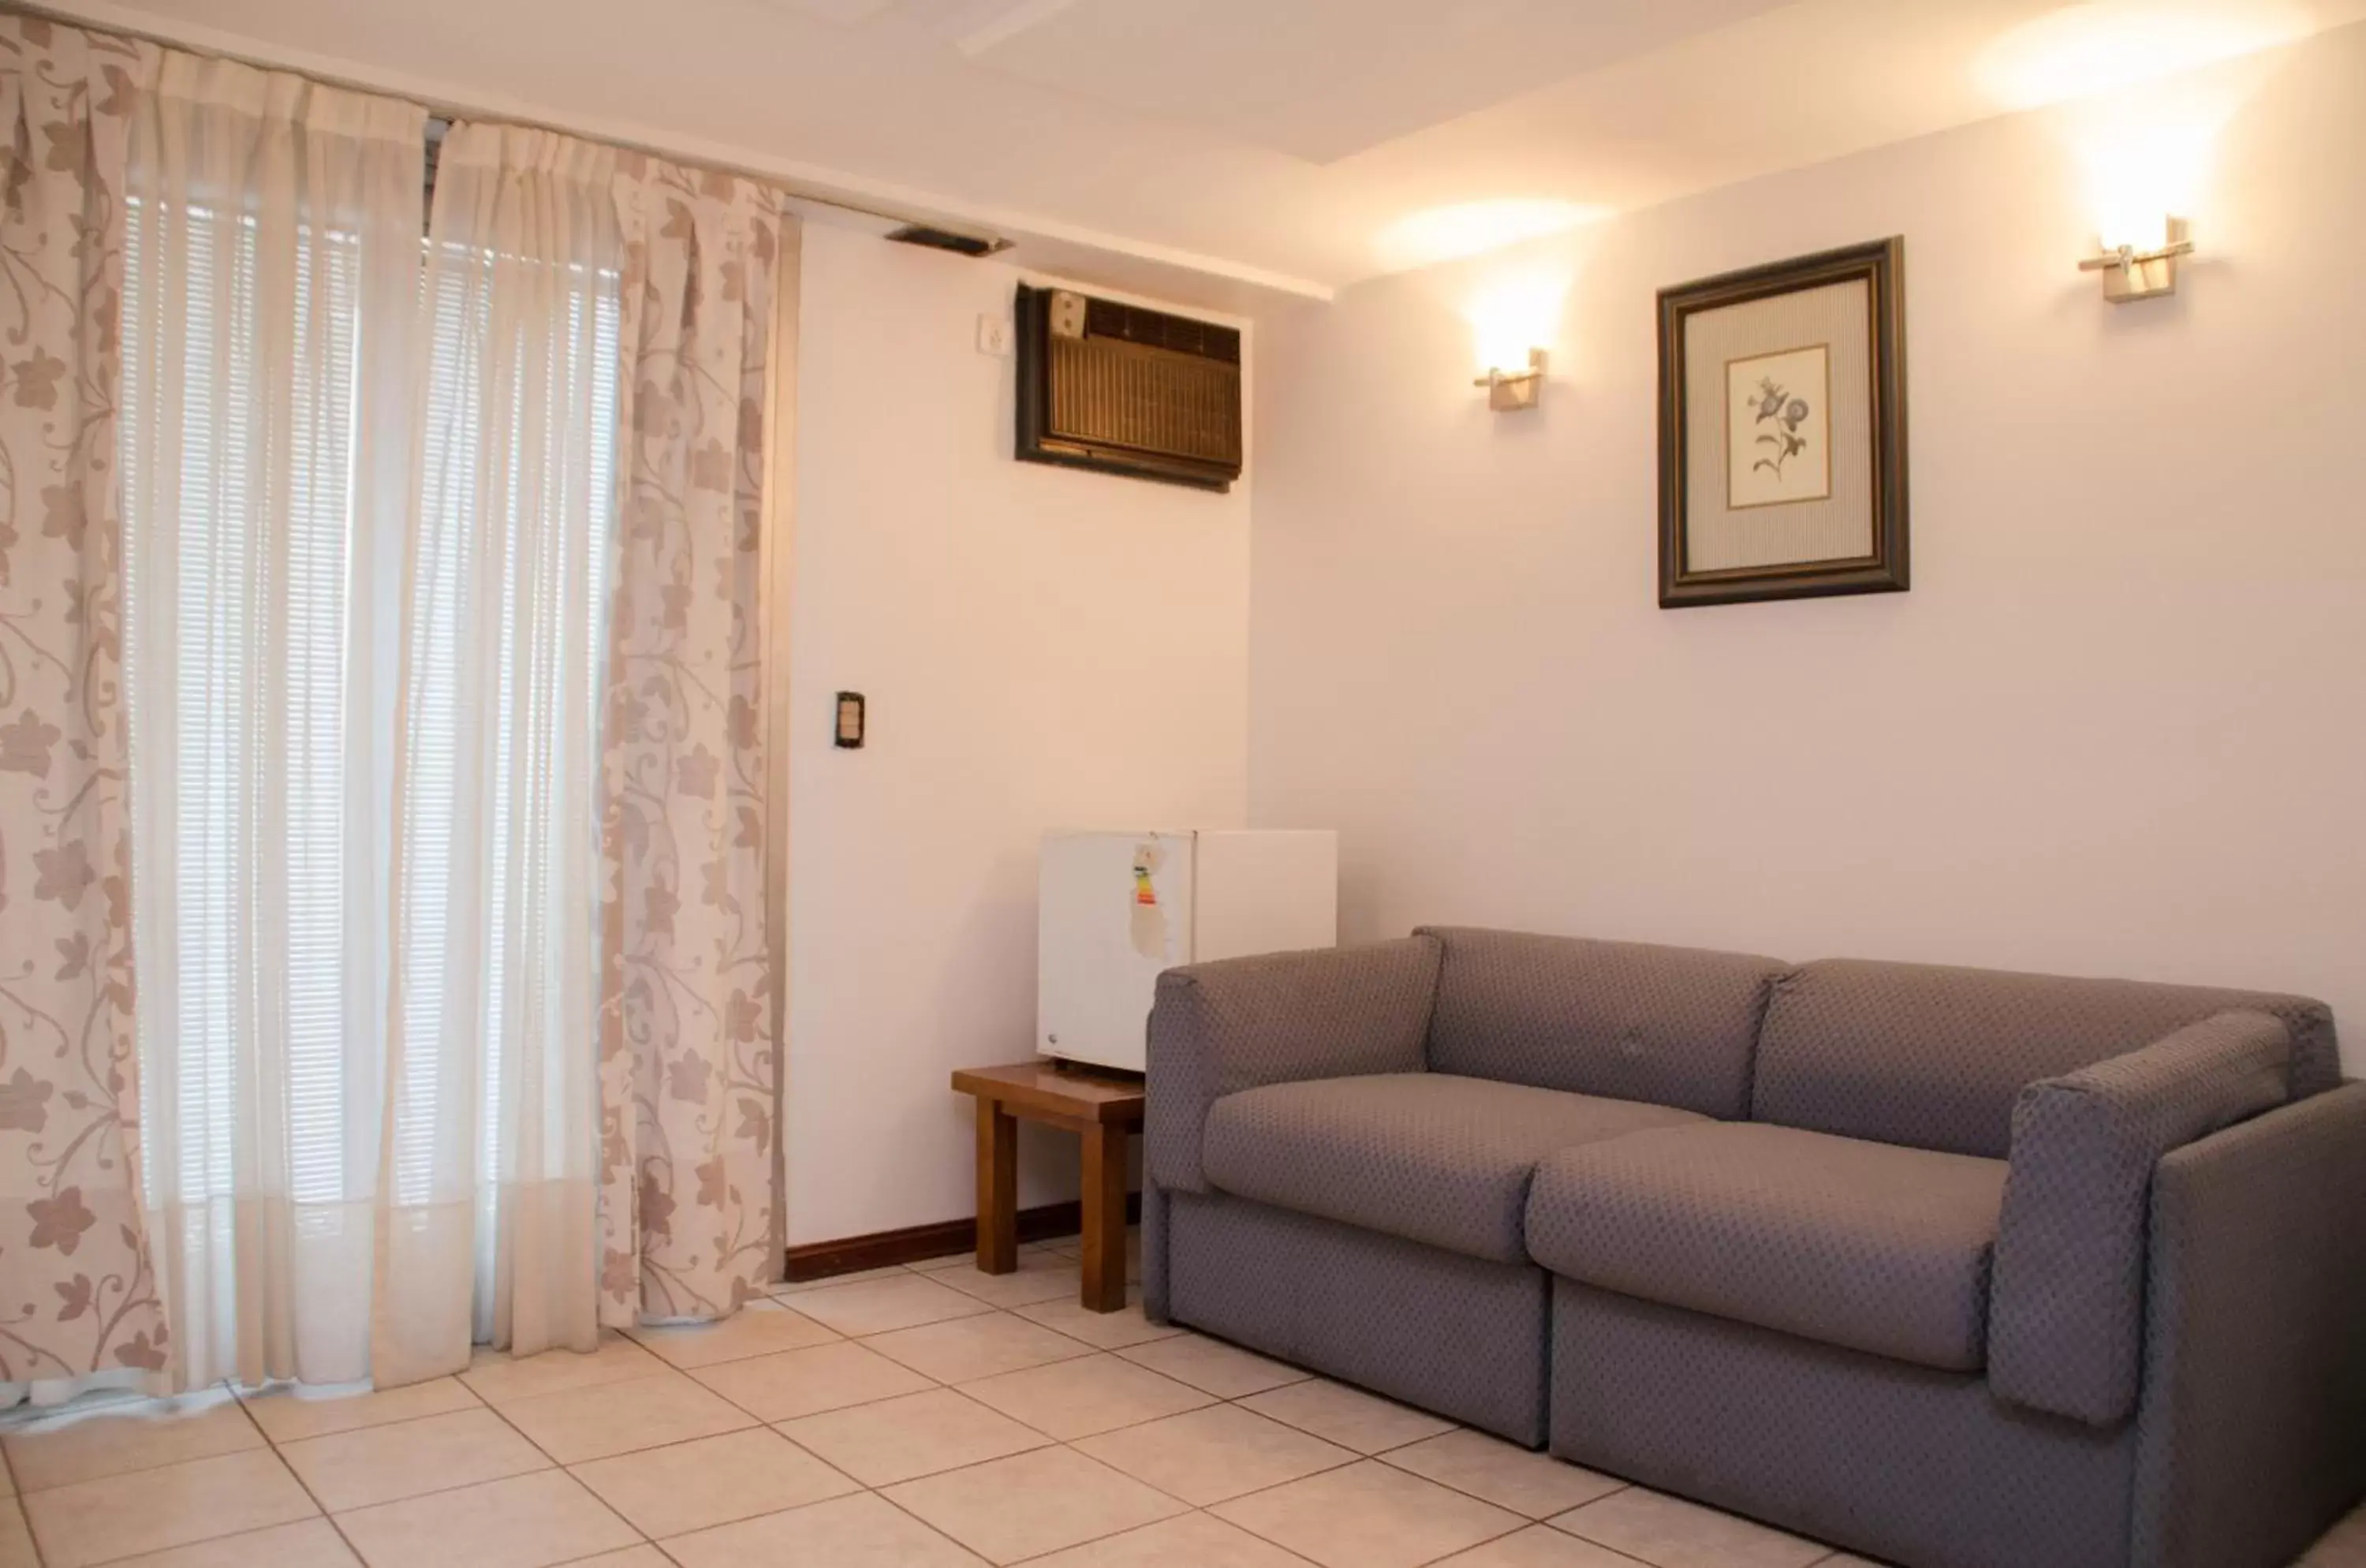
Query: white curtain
pixel 270 318
pixel 491 1166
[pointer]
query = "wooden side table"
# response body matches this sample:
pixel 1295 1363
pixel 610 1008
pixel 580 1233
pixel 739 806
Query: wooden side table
pixel 1103 1109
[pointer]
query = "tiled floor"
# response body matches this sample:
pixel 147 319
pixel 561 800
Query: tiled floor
pixel 930 1417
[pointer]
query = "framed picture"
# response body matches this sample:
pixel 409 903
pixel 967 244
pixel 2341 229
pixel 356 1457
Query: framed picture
pixel 1783 430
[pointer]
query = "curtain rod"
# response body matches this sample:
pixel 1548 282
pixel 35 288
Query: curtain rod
pixel 453 109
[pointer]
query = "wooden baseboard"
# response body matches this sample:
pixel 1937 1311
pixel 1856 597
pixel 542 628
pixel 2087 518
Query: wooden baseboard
pixel 917 1244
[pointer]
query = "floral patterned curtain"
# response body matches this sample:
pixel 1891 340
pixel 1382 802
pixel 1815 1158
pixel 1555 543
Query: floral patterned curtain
pixel 689 1063
pixel 77 1292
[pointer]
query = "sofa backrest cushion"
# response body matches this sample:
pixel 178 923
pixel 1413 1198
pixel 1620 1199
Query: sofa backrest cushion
pixel 1932 1057
pixel 1670 1025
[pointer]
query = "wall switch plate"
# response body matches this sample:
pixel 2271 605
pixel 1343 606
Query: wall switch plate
pixel 993 335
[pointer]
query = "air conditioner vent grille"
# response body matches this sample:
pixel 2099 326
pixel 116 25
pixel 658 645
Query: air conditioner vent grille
pixel 1109 392
pixel 1155 329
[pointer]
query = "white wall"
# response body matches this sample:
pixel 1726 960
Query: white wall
pixel 2114 728
pixel 1040 647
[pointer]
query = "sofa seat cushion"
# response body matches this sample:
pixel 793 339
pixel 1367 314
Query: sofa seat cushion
pixel 1868 1245
pixel 1428 1156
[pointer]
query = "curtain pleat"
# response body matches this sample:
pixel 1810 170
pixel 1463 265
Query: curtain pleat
pixel 689 1063
pixel 486 1233
pixel 272 320
pixel 79 1302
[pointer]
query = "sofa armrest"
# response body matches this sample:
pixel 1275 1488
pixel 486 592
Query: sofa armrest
pixel 2066 1305
pixel 2251 1433
pixel 1216 1029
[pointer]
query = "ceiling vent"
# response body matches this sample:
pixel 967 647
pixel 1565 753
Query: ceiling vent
pixel 1123 390
pixel 946 240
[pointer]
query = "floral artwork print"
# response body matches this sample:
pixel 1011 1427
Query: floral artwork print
pixel 1789 413
pixel 1779 428
pixel 78 1294
pixel 689 1064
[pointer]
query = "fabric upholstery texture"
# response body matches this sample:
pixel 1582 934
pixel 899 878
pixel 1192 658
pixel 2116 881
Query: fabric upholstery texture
pixel 1868 1245
pixel 2068 1316
pixel 1670 1025
pixel 1428 1156
pixel 1217 1029
pixel 1932 1057
pixel 1455 1335
pixel 1901 1463
pixel 1154 1252
pixel 2251 1432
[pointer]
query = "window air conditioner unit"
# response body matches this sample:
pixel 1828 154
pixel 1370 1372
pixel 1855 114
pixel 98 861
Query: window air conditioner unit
pixel 1123 390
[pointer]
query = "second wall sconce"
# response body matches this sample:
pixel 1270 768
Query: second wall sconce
pixel 1509 392
pixel 2130 274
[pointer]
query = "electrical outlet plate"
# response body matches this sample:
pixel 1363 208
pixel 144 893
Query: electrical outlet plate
pixel 993 335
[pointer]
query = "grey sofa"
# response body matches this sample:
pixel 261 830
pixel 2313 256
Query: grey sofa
pixel 1954 1268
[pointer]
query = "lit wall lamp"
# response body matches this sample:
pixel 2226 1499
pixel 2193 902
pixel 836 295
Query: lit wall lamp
pixel 2130 274
pixel 1507 393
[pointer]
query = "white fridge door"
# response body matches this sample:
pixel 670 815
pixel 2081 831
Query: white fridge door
pixel 1115 908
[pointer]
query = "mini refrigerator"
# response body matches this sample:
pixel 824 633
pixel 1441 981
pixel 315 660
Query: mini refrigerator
pixel 1118 907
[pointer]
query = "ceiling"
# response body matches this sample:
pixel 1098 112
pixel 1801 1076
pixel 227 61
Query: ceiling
pixel 1227 151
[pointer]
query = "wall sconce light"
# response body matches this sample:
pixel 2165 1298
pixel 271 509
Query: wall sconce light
pixel 1507 393
pixel 2130 274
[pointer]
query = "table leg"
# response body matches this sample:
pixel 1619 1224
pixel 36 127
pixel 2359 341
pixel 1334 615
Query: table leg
pixel 1104 1249
pixel 998 1189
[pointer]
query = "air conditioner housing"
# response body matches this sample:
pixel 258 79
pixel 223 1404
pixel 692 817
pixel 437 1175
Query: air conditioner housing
pixel 1124 391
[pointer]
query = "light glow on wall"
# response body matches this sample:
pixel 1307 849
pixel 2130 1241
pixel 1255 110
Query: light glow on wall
pixel 1514 311
pixel 2105 46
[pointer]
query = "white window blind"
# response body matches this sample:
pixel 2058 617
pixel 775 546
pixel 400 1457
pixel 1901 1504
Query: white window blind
pixel 369 480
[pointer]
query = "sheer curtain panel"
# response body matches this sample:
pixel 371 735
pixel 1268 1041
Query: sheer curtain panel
pixel 271 322
pixel 491 1165
pixel 78 1297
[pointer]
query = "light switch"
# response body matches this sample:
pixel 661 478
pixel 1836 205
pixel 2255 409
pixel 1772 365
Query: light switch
pixel 993 335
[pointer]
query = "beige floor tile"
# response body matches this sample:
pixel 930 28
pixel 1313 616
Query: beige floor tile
pixel 1348 1417
pixel 966 1348
pixel 1031 1502
pixel 880 1307
pixel 173 1504
pixel 861 1531
pixel 136 1435
pixel 714 1480
pixel 287 1418
pixel 307 1543
pixel 497 1379
pixel 1041 1277
pixel 1190 1540
pixel 1213 1367
pixel 642 1556
pixel 861 1275
pixel 759 1328
pixel 920 1434
pixel 1503 1473
pixel 1209 1456
pixel 1540 1546
pixel 16 1538
pixel 1670 1532
pixel 1367 1515
pixel 800 1382
pixel 1075 1399
pixel 379 1464
pixel 580 1424
pixel 527 1521
pixel 1103 1330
